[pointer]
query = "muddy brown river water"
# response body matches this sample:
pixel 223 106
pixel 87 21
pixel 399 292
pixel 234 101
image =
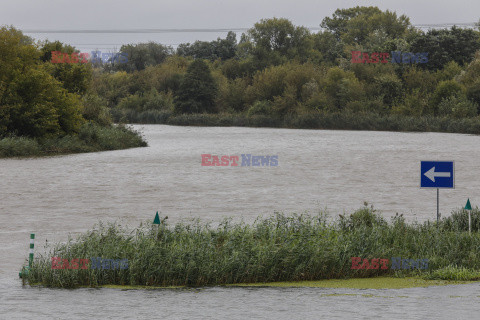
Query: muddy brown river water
pixel 317 170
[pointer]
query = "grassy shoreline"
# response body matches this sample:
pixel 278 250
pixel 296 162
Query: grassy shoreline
pixel 91 138
pixel 330 121
pixel 276 249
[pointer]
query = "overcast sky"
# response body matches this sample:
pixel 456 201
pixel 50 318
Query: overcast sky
pixel 63 14
pixel 133 14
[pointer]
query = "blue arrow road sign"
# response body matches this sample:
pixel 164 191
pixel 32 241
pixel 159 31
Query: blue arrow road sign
pixel 437 174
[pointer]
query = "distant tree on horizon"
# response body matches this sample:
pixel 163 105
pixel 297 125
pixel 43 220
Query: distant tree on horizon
pixel 222 49
pixel 142 55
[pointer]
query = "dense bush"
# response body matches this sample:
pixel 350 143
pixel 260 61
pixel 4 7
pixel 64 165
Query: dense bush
pixel 18 146
pixel 91 137
pixel 457 107
pixel 446 90
pixel 95 110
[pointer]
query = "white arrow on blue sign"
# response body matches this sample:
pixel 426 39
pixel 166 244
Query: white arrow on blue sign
pixel 437 174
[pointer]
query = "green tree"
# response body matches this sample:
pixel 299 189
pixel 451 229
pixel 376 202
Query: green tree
pixel 418 79
pixel 143 55
pixel 447 45
pixel 389 88
pixel 271 83
pixel 231 95
pixel 473 92
pixel 274 41
pixel 95 109
pixel 356 25
pixel 223 49
pixel 32 102
pixel 457 107
pixel 197 91
pixel 445 90
pixel 75 76
pixel 342 87
pixel 163 77
pixel 328 45
pixel 470 78
pixel 415 103
pixel 111 87
pixel 449 71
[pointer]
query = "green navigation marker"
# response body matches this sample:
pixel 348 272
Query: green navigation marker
pixel 157 219
pixel 24 273
pixel 468 206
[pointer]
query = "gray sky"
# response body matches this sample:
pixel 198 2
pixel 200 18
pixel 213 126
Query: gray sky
pixel 141 14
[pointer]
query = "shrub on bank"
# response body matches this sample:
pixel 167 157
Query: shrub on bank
pixel 278 248
pixel 91 138
pixel 18 146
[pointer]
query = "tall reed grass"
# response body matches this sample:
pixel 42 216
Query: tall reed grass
pixel 278 248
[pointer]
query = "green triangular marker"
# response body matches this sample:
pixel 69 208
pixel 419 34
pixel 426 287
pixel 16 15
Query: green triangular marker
pixel 468 206
pixel 157 219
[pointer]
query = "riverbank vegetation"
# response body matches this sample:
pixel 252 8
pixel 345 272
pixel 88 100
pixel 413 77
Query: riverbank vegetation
pixel 281 75
pixel 90 138
pixel 275 74
pixel 45 108
pixel 279 248
pixel 325 120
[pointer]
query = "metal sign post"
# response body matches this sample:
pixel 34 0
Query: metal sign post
pixel 438 204
pixel 437 174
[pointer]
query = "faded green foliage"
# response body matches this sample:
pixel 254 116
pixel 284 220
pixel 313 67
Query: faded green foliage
pixel 282 71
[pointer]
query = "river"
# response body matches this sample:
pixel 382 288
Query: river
pixel 318 170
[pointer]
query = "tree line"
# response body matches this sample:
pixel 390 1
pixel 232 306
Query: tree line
pixel 278 69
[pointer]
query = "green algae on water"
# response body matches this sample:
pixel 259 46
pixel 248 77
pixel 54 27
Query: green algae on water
pixel 360 283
